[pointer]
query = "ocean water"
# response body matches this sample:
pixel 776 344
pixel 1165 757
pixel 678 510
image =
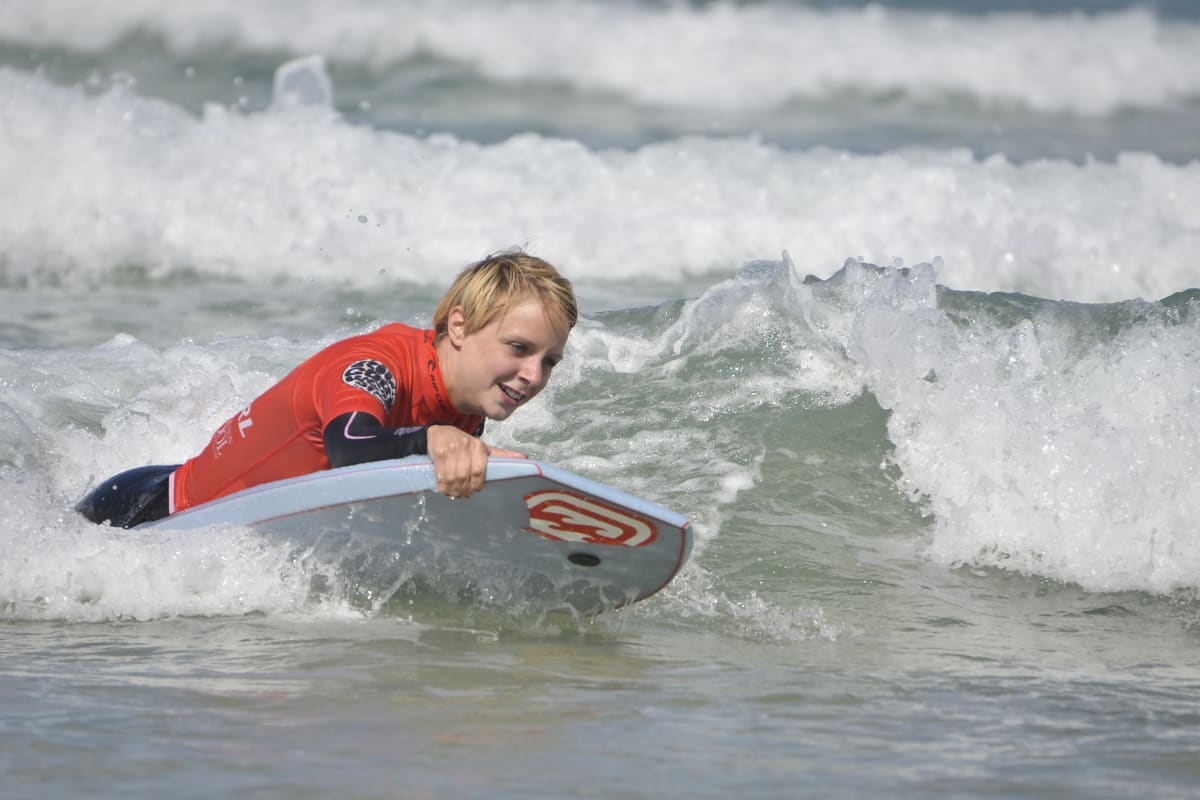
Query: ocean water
pixel 899 302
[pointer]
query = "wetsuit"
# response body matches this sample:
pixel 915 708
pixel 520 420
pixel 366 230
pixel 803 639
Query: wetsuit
pixel 366 398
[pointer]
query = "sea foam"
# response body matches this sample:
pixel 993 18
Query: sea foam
pixel 98 182
pixel 1051 439
pixel 721 55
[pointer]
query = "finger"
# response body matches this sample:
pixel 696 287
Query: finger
pixel 479 469
pixel 500 453
pixel 445 454
pixel 466 471
pixel 477 465
pixel 459 480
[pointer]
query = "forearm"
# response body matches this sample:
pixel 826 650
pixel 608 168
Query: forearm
pixel 358 437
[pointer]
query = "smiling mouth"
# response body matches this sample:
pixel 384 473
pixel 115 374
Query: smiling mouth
pixel 516 397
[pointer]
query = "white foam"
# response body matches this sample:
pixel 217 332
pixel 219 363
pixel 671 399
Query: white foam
pixel 96 182
pixel 1040 447
pixel 73 418
pixel 717 55
pixel 694 596
pixel 67 568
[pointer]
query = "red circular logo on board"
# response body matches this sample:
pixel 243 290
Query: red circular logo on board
pixel 569 517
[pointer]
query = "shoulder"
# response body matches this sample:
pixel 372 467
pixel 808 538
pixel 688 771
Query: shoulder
pixel 393 337
pixel 393 329
pixel 397 335
pixel 394 347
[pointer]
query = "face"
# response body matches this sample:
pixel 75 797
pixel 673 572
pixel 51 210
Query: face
pixel 503 365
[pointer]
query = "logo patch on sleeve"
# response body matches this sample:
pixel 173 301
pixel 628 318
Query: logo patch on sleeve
pixel 374 379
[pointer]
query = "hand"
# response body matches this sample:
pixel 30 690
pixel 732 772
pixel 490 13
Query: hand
pixel 459 459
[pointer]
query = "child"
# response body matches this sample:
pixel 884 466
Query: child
pixel 497 334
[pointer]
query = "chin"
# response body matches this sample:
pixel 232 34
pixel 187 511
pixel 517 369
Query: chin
pixel 500 414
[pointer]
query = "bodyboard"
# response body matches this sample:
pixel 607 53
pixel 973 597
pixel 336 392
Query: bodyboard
pixel 536 536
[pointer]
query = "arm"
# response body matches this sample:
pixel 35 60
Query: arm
pixel 459 459
pixel 357 436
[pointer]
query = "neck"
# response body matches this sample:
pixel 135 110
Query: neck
pixel 446 353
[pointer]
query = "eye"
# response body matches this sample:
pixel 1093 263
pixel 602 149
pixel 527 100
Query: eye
pixel 519 348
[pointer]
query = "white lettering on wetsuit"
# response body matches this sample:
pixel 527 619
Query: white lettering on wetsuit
pixel 221 438
pixel 244 421
pixel 224 435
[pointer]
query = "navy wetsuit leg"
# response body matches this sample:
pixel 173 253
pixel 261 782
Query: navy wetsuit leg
pixel 131 498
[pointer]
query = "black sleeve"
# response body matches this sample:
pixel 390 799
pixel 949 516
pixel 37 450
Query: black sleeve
pixel 356 437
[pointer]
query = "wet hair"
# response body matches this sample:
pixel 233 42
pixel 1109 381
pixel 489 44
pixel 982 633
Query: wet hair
pixel 489 289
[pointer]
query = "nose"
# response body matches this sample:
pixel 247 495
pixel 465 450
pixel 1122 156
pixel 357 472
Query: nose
pixel 531 373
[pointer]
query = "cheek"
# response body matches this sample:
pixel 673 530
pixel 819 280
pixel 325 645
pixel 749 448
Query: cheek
pixel 547 374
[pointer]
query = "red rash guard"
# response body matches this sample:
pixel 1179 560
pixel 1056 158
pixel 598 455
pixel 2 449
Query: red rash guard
pixel 391 374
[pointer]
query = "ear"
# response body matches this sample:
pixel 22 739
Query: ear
pixel 456 327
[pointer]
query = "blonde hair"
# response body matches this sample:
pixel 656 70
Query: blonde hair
pixel 488 289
